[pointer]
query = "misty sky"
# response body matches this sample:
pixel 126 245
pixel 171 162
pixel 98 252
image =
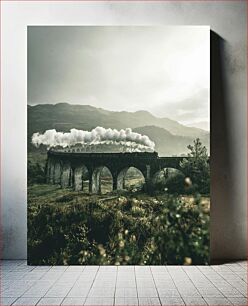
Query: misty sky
pixel 165 70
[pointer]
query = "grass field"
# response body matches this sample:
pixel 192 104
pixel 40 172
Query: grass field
pixel 52 194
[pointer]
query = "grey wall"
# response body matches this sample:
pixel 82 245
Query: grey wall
pixel 228 93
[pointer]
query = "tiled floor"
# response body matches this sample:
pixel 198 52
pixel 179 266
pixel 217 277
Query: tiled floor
pixel 123 285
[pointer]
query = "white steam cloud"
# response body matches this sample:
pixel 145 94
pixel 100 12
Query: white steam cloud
pixel 98 136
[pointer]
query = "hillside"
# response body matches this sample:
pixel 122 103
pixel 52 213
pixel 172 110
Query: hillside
pixel 167 144
pixel 170 136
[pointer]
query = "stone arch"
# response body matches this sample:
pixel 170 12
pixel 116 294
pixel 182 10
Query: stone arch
pixel 96 179
pixel 81 173
pixel 122 176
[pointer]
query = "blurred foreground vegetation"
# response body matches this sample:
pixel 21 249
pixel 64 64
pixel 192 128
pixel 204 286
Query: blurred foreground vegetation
pixel 66 227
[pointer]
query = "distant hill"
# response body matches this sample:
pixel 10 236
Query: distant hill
pixel 167 144
pixel 169 135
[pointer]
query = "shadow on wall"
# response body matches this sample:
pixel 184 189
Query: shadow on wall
pixel 222 206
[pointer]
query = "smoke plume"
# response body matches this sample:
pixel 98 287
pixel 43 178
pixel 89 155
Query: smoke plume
pixel 99 135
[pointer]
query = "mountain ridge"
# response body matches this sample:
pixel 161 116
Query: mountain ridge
pixel 117 113
pixel 170 136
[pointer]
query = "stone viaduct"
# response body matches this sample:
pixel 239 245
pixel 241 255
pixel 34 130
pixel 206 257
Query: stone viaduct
pixel 70 168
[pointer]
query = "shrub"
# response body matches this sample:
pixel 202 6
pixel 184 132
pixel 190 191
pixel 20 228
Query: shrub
pixel 175 184
pixel 36 173
pixel 170 181
pixel 197 167
pixel 157 231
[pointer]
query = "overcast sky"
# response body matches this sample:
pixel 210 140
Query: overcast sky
pixel 165 70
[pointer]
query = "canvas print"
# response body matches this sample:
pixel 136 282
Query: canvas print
pixel 118 145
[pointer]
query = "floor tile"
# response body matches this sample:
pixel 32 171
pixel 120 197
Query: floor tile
pixel 104 283
pixel 166 301
pixel 189 292
pixel 79 291
pixel 125 269
pixel 126 292
pixel 75 269
pixel 165 292
pixel 217 301
pixel 26 301
pixel 58 268
pixel 126 301
pixel 199 301
pixel 58 291
pixel 239 301
pixel 7 301
pixel 42 268
pixel 38 290
pixel 147 292
pixel 99 301
pixel 84 282
pixel 50 301
pixel 142 282
pixel 102 292
pixel 126 283
pixel 91 269
pixel 73 301
pixel 149 301
pixel 164 283
pixel 210 292
pixel 13 293
pixel 108 269
pixel 230 292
